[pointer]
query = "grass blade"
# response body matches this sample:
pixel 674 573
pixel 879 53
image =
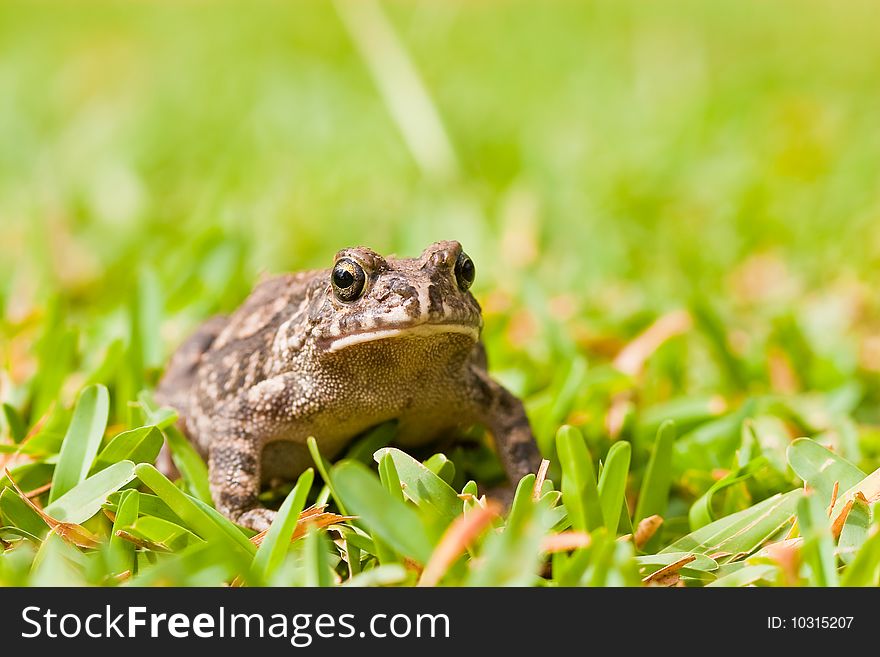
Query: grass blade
pixel 612 484
pixel 85 499
pixel 396 523
pixel 17 513
pixel 122 552
pixel 818 548
pixel 324 470
pixel 194 516
pixel 855 531
pixel 317 563
pixel 422 486
pixel 579 489
pixel 821 468
pixel 512 557
pixel 82 440
pixel 654 493
pixel 864 570
pixel 745 576
pixel 272 550
pixel 191 466
pixel 15 425
pixel 389 477
pixel 741 532
pixel 139 445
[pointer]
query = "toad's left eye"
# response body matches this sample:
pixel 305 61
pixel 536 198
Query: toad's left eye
pixel 464 271
pixel 348 279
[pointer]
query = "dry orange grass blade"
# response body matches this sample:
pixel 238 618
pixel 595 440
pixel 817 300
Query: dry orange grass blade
pixel 662 577
pixel 868 488
pixel 837 525
pixel 463 530
pixel 787 553
pixel 783 377
pixel 70 532
pixel 646 529
pixel 540 478
pixel 668 581
pixel 140 542
pixel 565 542
pixel 36 492
pixel 319 521
pixel 313 516
pixel 621 404
pixel 834 492
pixel 632 358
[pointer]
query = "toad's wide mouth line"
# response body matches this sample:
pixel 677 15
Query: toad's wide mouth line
pixel 419 330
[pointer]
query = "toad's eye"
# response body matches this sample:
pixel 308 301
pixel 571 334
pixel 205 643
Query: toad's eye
pixel 348 279
pixel 464 271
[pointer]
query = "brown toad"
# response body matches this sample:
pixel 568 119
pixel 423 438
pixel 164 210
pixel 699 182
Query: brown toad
pixel 330 354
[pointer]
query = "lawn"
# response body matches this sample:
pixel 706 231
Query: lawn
pixel 673 209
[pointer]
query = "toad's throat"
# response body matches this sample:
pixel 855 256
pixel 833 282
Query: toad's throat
pixel 417 330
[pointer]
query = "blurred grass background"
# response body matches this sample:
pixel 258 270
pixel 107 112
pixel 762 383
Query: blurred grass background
pixel 605 163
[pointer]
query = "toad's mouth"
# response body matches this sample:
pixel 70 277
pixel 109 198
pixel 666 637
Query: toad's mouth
pixel 417 330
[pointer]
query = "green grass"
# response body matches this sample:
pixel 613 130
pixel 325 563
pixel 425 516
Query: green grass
pixel 674 215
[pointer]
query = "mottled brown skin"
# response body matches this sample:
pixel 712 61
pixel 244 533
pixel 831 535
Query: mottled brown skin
pixel 299 358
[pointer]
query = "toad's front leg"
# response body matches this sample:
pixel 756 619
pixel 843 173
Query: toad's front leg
pixel 235 456
pixel 234 473
pixel 505 417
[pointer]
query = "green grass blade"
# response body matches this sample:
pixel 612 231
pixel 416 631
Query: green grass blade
pixel 580 492
pixel 701 512
pixel 17 513
pixel 654 493
pixel 82 440
pixel 197 520
pixel 163 533
pixel 270 554
pixel 743 531
pixel 191 466
pixel 817 550
pixel 389 477
pixel 316 561
pixel 123 552
pixel 821 468
pixel 139 445
pixel 864 569
pixel 395 523
pixel 148 504
pixel 442 467
pixel 521 506
pixel 379 576
pixel 746 575
pixel 235 532
pixel 422 486
pixel 855 531
pixel 85 499
pixel 612 484
pixel 323 468
pixel 15 425
pixel 512 557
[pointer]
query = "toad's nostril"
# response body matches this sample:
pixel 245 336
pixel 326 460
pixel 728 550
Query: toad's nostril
pixel 442 260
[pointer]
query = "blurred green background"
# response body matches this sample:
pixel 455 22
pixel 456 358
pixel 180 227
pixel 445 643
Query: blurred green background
pixel 604 163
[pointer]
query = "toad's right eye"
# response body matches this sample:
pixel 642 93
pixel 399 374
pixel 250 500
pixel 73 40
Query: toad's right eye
pixel 348 280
